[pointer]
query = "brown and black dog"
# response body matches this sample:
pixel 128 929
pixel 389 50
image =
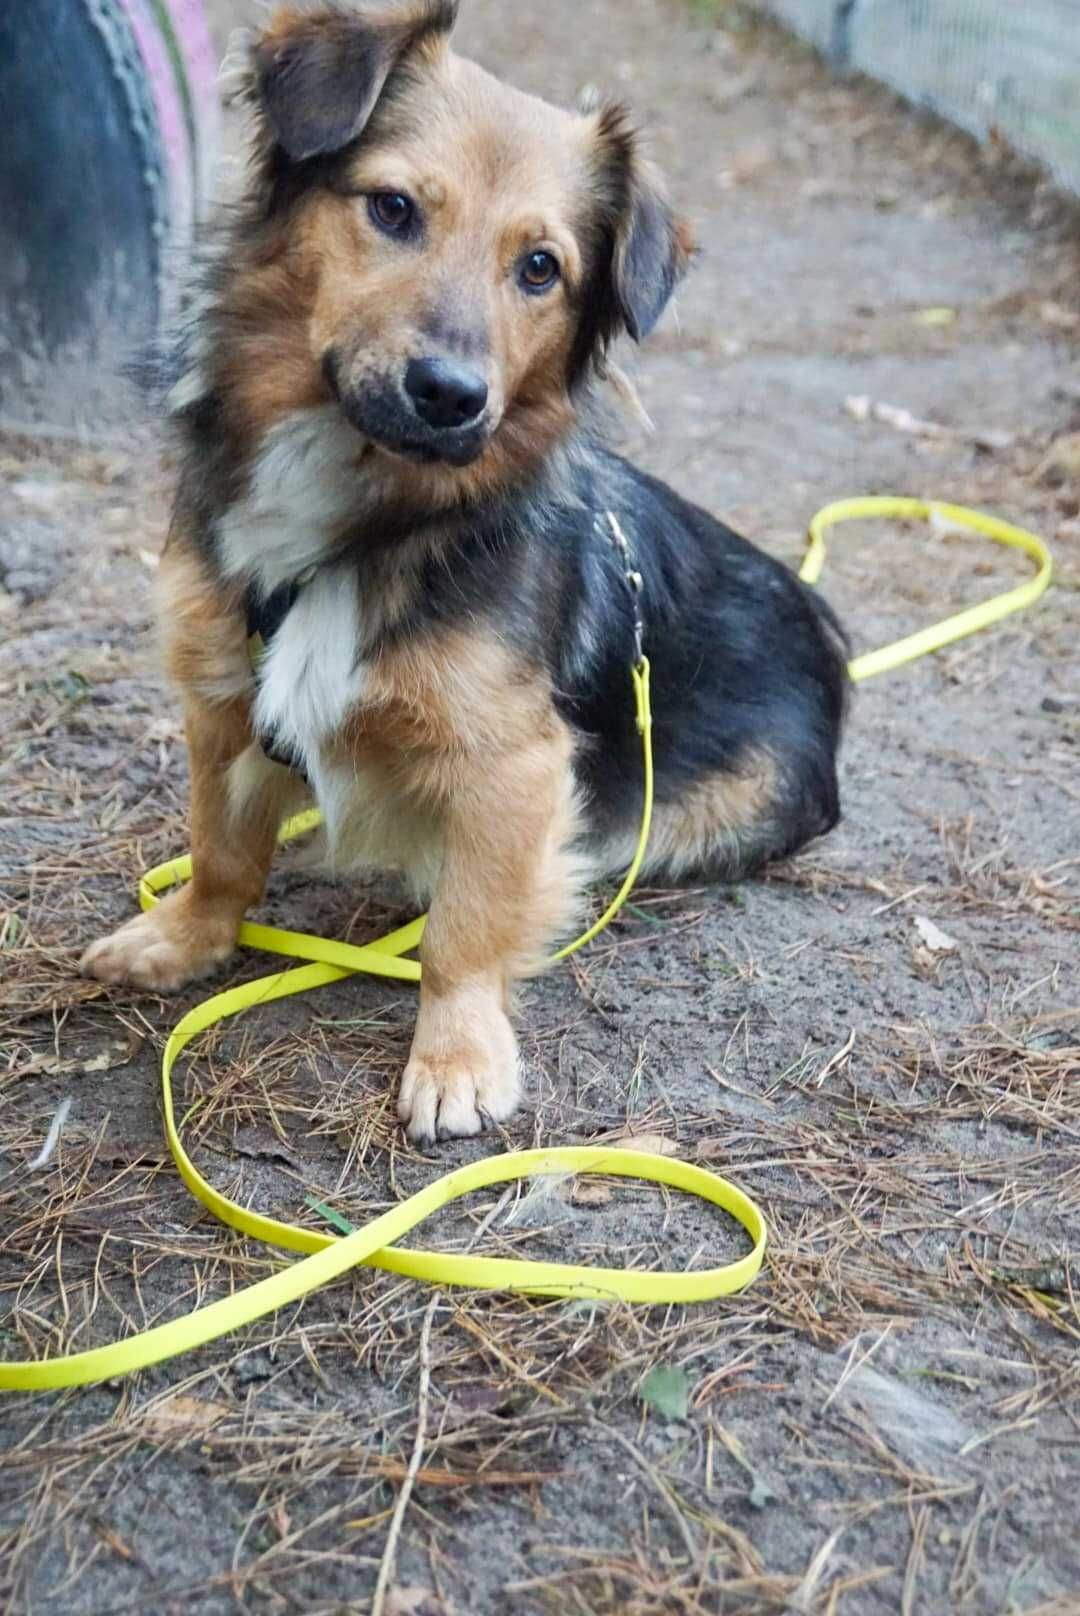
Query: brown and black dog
pixel 380 392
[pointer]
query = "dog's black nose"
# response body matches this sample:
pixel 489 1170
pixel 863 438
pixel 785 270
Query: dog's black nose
pixel 445 393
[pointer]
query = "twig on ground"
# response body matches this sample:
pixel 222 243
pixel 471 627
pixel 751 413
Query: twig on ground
pixel 657 1480
pixel 386 1568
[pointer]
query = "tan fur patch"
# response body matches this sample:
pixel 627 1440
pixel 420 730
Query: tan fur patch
pixel 481 744
pixel 233 835
pixel 708 829
pixel 465 740
pixel 201 626
pixel 195 927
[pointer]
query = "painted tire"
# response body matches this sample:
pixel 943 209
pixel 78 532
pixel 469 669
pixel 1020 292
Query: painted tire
pixel 110 117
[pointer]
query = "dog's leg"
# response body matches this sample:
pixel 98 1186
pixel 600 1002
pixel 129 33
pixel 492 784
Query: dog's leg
pixel 234 816
pixel 194 928
pixel 508 884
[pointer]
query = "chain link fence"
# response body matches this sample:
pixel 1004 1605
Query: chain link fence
pixel 1008 66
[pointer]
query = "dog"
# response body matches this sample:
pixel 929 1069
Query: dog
pixel 390 473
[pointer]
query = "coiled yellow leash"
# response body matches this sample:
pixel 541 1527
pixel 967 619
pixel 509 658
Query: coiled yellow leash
pixel 327 1256
pixel 889 507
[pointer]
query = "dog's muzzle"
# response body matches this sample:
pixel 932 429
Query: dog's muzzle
pixel 439 412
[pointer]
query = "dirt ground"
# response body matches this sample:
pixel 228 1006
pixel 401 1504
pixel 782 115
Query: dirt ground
pixel 889 1419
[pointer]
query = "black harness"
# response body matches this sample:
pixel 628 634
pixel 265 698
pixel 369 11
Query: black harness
pixel 264 618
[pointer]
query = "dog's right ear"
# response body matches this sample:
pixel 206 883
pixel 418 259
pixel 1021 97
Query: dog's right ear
pixel 318 73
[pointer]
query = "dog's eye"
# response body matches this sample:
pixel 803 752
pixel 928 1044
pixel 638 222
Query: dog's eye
pixel 539 272
pixel 391 211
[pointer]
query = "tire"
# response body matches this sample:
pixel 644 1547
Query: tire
pixel 109 131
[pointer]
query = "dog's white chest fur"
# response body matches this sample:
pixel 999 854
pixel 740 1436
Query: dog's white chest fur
pixel 313 674
pixel 302 490
pixel 311 678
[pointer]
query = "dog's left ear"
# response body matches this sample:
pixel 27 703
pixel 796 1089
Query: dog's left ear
pixel 651 249
pixel 318 73
pixel 652 254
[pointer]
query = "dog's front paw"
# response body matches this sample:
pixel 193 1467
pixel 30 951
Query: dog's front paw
pixel 462 1073
pixel 162 950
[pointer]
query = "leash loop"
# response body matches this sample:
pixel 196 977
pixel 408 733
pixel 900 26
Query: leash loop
pixel 969 621
pixel 327 1257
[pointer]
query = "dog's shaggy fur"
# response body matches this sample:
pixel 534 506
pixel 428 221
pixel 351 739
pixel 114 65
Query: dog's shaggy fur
pixel 380 391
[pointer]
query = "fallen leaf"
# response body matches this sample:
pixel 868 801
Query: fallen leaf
pixel 469 1402
pixel 926 965
pixel 712 1150
pixel 863 408
pixel 115 1054
pixel 1056 314
pixel 653 1144
pixel 481 1399
pixel 180 1413
pixel 745 165
pixel 414 1602
pixel 667 1390
pixel 259 1142
pixel 903 421
pixel 591 1192
pixel 44 1063
pixel 1061 463
pixel 111 1057
pixel 933 938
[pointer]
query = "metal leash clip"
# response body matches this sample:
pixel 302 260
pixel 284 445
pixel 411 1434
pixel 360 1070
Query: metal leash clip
pixel 635 584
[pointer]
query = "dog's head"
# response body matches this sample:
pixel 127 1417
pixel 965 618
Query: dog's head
pixel 444 256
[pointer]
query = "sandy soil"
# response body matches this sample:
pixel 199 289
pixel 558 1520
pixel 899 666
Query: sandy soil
pixel 888 1420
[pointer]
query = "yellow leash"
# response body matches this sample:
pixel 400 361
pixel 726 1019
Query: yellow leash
pixel 328 1256
pixel 973 618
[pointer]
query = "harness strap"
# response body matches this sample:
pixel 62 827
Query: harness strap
pixel 265 616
